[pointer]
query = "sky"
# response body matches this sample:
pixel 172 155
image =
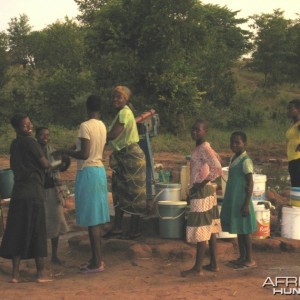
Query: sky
pixel 45 12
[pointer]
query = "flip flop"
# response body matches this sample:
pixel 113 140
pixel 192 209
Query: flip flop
pixel 244 267
pixel 44 280
pixel 14 280
pixel 88 270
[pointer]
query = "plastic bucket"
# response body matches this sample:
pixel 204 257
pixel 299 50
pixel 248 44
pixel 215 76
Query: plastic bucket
pixel 224 179
pixel 172 219
pixel 290 222
pixel 167 192
pixel 6 183
pixel 262 215
pixel 295 196
pixel 223 234
pixel 259 187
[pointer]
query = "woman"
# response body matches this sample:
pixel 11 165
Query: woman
pixel 91 196
pixel 293 142
pixel 25 234
pixel 55 219
pixel 128 164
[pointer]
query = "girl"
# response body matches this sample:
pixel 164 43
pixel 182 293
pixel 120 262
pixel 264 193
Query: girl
pixel 237 214
pixel 203 219
pixel 293 145
pixel 55 219
pixel 91 196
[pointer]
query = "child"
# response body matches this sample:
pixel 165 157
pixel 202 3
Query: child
pixel 203 219
pixel 237 214
pixel 55 219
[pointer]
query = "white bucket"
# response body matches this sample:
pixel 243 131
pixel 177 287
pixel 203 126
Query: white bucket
pixel 222 234
pixel 259 187
pixel 167 192
pixel 259 184
pixel 290 222
pixel 262 215
pixel 224 179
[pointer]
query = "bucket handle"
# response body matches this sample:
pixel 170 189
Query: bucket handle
pixel 169 218
pixel 156 196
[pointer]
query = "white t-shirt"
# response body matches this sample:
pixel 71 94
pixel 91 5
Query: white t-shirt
pixel 94 131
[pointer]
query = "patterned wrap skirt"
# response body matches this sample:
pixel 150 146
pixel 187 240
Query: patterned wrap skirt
pixel 91 197
pixel 203 217
pixel 129 179
pixel 55 218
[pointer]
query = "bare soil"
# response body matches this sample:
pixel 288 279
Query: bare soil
pixel 148 268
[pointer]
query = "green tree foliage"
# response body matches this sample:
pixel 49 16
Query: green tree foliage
pixel 18 43
pixel 169 52
pixel 273 47
pixel 59 45
pixel 4 59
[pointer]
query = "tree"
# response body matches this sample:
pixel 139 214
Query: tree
pixel 169 52
pixel 61 44
pixel 18 32
pixel 272 46
pixel 4 60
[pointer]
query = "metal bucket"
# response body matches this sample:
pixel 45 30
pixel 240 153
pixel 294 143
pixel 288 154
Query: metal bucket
pixel 168 192
pixel 6 183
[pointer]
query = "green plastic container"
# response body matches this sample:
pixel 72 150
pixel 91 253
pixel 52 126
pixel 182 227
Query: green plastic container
pixel 6 183
pixel 172 219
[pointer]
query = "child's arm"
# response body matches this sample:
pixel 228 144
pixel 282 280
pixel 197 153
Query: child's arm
pixel 245 210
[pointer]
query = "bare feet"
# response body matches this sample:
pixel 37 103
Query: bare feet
pixel 14 280
pixel 211 268
pixel 191 273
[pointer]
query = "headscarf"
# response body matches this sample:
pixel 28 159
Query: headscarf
pixel 124 91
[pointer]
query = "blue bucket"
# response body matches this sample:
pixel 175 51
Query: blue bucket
pixel 6 183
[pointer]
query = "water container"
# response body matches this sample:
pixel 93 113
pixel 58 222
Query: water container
pixel 290 222
pixel 167 192
pixel 172 219
pixel 262 215
pixel 6 183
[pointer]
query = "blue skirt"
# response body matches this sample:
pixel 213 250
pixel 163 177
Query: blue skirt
pixel 91 197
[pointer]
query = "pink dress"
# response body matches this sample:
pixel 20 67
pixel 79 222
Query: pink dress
pixel 203 217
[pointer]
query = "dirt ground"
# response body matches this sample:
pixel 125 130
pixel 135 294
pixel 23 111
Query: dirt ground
pixel 137 270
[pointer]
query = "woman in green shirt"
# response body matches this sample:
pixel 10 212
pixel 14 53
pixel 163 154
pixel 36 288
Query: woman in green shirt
pixel 128 164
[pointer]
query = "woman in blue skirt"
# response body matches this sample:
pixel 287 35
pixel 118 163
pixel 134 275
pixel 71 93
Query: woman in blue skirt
pixel 91 196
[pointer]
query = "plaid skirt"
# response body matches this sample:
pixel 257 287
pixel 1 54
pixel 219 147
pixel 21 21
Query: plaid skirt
pixel 129 179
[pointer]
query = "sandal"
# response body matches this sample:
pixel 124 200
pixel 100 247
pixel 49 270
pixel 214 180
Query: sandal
pixel 88 270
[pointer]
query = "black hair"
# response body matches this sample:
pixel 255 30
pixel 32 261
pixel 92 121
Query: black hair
pixel 201 121
pixel 17 119
pixel 39 129
pixel 295 102
pixel 93 103
pixel 241 134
